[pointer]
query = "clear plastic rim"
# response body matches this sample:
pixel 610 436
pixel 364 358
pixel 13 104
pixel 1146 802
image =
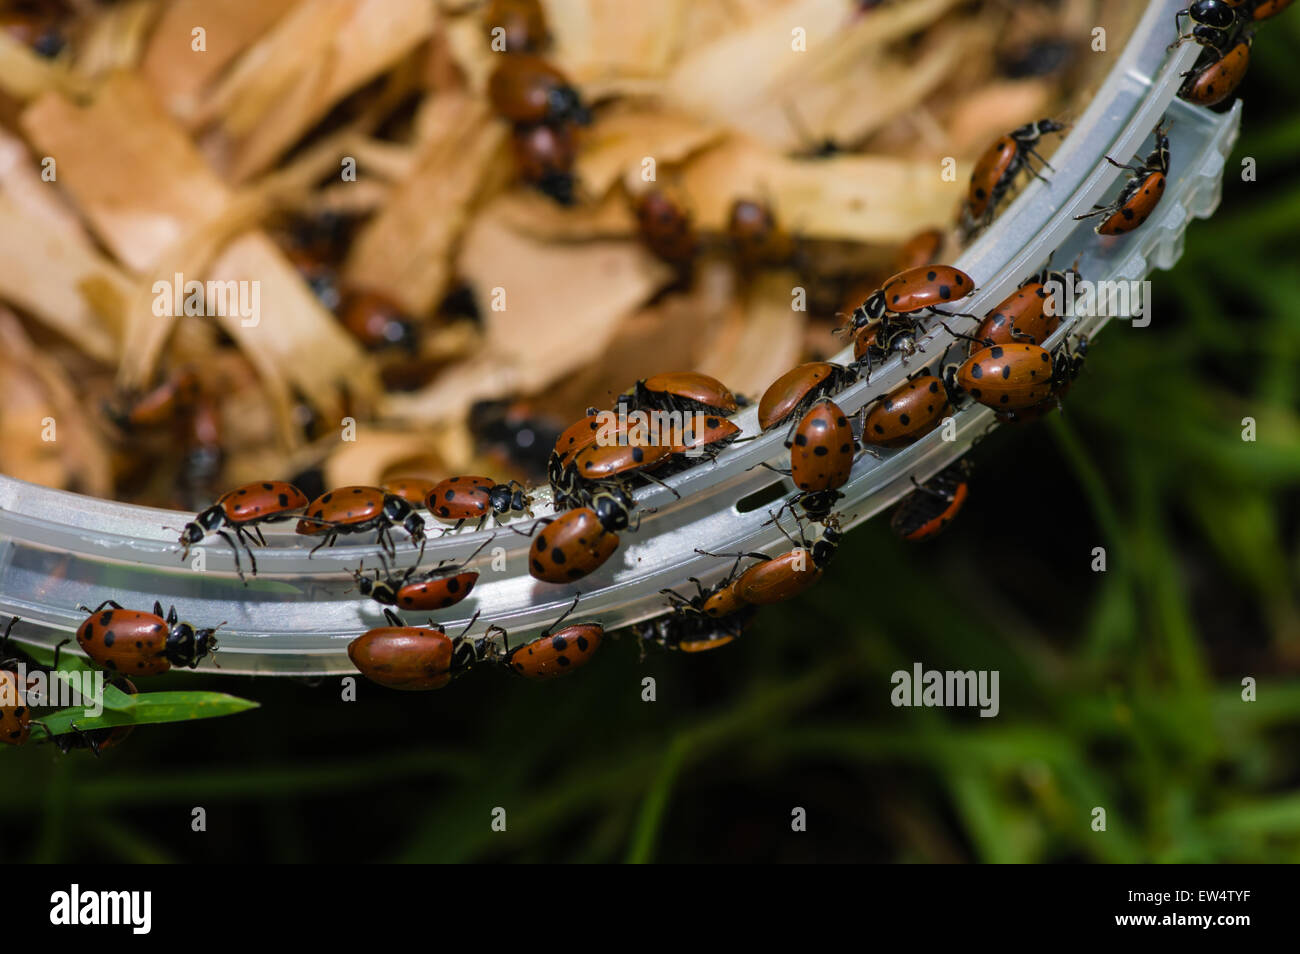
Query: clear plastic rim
pixel 59 550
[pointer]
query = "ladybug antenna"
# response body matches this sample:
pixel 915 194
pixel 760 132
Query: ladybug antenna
pixel 4 642
pixel 985 342
pixel 468 626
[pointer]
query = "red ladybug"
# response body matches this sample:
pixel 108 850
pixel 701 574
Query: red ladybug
pixel 142 644
pixel 921 249
pixel 1215 77
pixel 821 458
pixel 666 226
pixel 415 658
pixel 360 510
pixel 756 236
pixel 928 510
pixel 1140 195
pixel 800 388
pixel 684 391
pixel 555 652
pixel 1264 9
pixel 783 577
pixel 915 290
pixel 545 155
pixel 159 407
pixel 907 413
pixel 577 436
pixel 575 543
pixel 686 631
pixel 243 510
pixel 470 497
pixel 1014 377
pixel 1029 314
pixel 996 170
pixel 439 588
pixel 526 89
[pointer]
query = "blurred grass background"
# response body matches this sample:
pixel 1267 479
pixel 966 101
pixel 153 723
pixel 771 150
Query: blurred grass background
pixel 1119 690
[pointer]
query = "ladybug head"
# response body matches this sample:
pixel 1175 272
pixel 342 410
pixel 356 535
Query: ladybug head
pixel 187 645
pixel 1212 13
pixel 613 509
pixel 211 519
pixel 871 309
pixel 501 498
pixel 564 105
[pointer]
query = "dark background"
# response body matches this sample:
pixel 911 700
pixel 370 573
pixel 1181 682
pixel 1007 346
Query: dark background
pixel 1118 689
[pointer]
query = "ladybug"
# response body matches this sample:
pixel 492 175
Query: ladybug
pixel 476 498
pixel 577 436
pixel 755 235
pixel 554 653
pixel 714 602
pixel 413 490
pixel 578 541
pixel 877 340
pixel 1214 23
pixel 158 407
pixel 915 290
pixel 243 510
pixel 783 577
pixel 1013 376
pixel 666 226
pixel 821 457
pixel 1066 368
pixel 378 322
pixel 142 644
pixel 1025 315
pixel 359 510
pixel 1265 9
pixel 685 631
pixel 928 510
pixel 1140 195
pixel 907 413
pixel 717 432
pixel 414 658
pixel 440 588
pixel 921 249
pixel 599 462
pixel 99 740
pixel 15 714
pixel 522 24
pixel 800 388
pixel 684 391
pixel 545 154
pixel 39 32
pixel 996 170
pixel 1215 78
pixel 527 90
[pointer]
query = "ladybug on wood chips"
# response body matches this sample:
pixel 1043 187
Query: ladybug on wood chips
pixel 1140 195
pixel 545 154
pixel 527 90
pixel 243 510
pixel 666 226
pixel 360 509
pixel 142 644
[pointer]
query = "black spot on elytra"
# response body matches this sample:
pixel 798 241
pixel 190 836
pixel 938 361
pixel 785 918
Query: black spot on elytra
pixel 820 451
pixel 284 500
pixel 977 372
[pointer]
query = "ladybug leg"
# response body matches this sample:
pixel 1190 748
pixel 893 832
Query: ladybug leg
pixel 86 739
pixel 234 548
pixel 328 541
pixel 113 603
pixel 57 648
pixel 762 557
pixel 655 480
pixel 775 470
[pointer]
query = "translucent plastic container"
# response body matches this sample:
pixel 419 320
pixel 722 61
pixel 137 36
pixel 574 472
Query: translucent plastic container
pixel 58 550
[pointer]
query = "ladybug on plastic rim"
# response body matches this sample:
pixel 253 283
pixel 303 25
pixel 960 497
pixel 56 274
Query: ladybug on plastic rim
pixel 360 509
pixel 800 388
pixel 471 497
pixel 1140 195
pixel 684 631
pixel 928 510
pixel 554 653
pixel 439 588
pixel 907 413
pixel 575 543
pixel 715 602
pixel 915 290
pixel 996 170
pixel 1215 77
pixel 243 510
pixel 822 452
pixel 684 391
pixel 1013 377
pixel 142 644
pixel 528 90
pixel 1030 313
pixel 778 578
pixel 1214 24
pixel 415 658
